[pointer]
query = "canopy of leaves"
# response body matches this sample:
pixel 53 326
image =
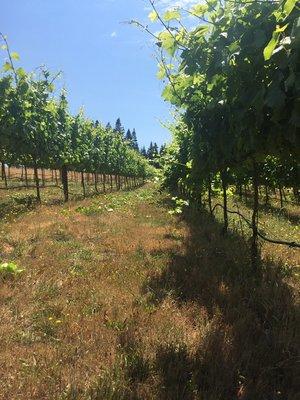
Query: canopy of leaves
pixel 234 77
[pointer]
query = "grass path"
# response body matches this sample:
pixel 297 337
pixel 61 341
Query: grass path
pixel 121 300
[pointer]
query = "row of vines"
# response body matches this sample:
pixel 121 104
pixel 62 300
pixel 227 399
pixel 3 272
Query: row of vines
pixel 37 131
pixel 233 74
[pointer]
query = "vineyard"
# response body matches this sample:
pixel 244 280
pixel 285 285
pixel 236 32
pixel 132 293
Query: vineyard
pixel 163 274
pixel 24 177
pixel 38 132
pixel 234 80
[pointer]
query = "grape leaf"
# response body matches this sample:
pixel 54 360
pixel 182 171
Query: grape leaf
pixel 153 16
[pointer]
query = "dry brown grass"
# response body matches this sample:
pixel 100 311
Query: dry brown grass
pixel 139 304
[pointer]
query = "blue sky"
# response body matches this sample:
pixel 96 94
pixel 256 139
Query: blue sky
pixel 108 66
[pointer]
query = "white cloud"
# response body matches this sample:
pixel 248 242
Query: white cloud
pixel 113 34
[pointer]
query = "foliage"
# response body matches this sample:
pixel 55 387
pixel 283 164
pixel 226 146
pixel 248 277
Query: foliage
pixel 37 130
pixel 233 76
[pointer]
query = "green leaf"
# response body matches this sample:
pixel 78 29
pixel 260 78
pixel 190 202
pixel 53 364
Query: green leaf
pixel 153 16
pixel 199 9
pixel 288 7
pixel 282 28
pixel 189 164
pixel 171 15
pixel 161 73
pixel 269 49
pixel 10 268
pixel 234 47
pixel 23 87
pixel 21 73
pixel 15 56
pixel 167 93
pixel 198 78
pixel 7 67
pixel 201 30
pixel 168 42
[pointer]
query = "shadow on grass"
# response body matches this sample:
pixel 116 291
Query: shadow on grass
pixel 291 216
pixel 248 349
pixel 16 205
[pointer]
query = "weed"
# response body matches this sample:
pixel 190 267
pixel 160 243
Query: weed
pixel 47 322
pixel 89 210
pixel 115 325
pixel 77 269
pixel 111 385
pixel 9 269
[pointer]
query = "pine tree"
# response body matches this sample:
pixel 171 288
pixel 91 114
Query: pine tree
pixel 150 151
pixel 135 144
pixel 119 127
pixel 108 126
pixel 128 138
pixel 155 150
pixel 144 152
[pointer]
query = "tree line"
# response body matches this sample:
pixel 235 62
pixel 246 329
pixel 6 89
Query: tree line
pixel 37 130
pixel 154 153
pixel 130 136
pixel 234 79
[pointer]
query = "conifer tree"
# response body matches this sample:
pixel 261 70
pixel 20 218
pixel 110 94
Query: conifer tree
pixel 119 127
pixel 150 151
pixel 128 137
pixel 144 152
pixel 134 140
